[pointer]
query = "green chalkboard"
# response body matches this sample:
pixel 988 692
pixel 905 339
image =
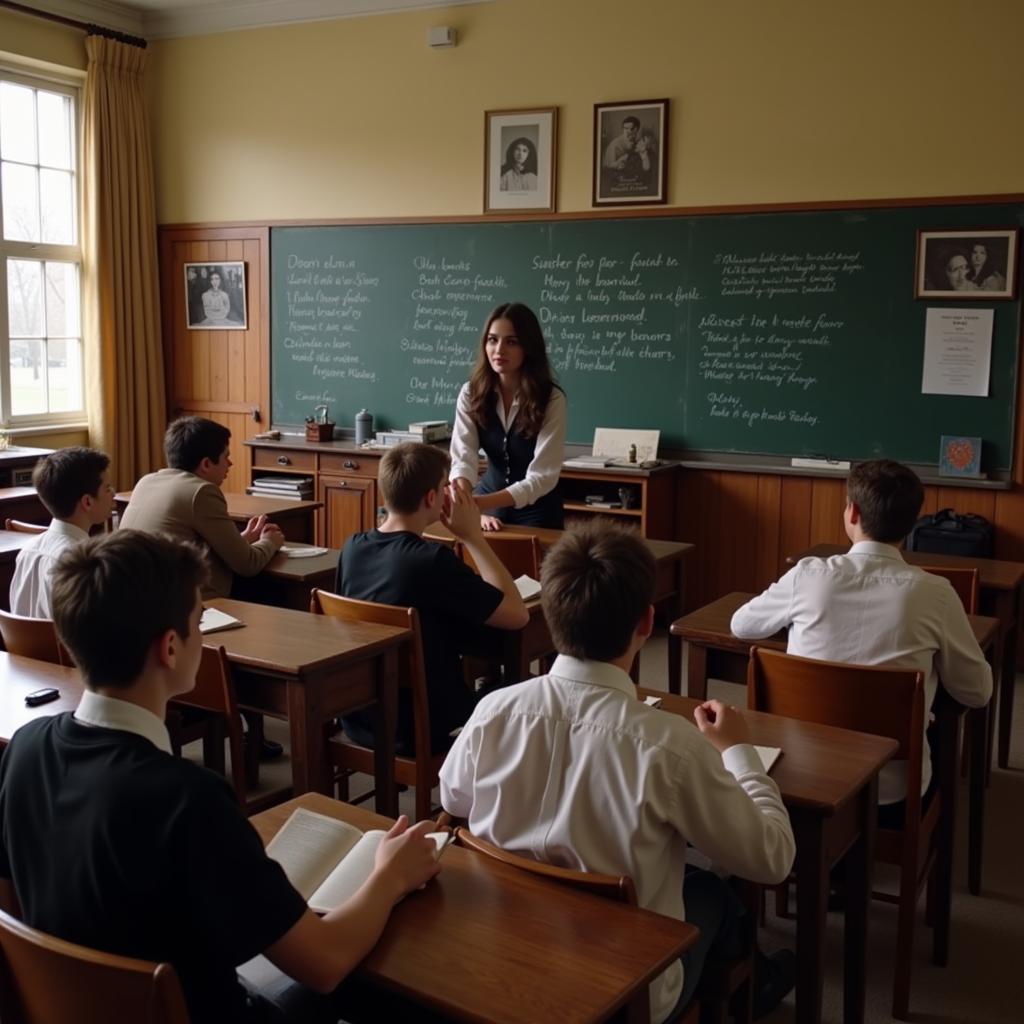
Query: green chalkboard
pixel 787 334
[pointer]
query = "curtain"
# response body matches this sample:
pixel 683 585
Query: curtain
pixel 124 357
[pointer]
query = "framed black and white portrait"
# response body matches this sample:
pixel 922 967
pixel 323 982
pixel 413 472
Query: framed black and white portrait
pixel 967 264
pixel 519 160
pixel 215 296
pixel 631 153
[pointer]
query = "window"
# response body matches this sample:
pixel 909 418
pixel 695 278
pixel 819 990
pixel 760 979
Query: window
pixel 41 379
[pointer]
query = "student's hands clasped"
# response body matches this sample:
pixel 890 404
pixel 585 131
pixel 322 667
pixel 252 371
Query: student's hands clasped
pixel 460 513
pixel 259 529
pixel 723 725
pixel 406 859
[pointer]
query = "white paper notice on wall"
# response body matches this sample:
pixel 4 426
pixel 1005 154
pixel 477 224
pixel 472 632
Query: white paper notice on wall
pixel 957 351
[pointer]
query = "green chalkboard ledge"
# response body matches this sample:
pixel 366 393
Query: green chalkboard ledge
pixel 745 463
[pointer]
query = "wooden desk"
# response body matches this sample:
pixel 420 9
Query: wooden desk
pixel 287 582
pixel 1002 596
pixel 310 669
pixel 11 543
pixel 296 518
pixel 669 588
pixel 712 650
pixel 22 503
pixel 19 677
pixel 828 779
pixel 486 942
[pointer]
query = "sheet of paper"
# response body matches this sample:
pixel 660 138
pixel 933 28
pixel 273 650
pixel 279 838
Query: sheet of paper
pixel 768 755
pixel 613 443
pixel 528 587
pixel 213 621
pixel 302 550
pixel 957 351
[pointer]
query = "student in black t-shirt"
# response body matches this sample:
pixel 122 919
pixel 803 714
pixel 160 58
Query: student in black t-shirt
pixel 395 565
pixel 109 841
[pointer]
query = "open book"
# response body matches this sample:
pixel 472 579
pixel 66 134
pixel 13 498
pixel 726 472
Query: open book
pixel 328 860
pixel 213 621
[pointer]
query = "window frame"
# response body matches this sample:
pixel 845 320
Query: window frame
pixel 70 85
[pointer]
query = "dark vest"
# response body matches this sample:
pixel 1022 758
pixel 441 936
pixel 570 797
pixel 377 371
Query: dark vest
pixel 508 458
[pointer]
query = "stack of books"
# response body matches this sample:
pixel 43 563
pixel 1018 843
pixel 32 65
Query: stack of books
pixel 281 485
pixel 389 438
pixel 431 431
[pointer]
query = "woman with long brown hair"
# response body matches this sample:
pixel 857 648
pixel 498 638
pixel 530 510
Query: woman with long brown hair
pixel 512 408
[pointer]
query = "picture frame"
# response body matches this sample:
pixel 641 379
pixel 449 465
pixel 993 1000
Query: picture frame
pixel 967 265
pixel 631 153
pixel 520 160
pixel 215 296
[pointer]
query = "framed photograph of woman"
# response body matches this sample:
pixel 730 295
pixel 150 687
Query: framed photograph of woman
pixel 631 153
pixel 519 160
pixel 215 296
pixel 967 264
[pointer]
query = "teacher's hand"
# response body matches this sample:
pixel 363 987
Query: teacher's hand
pixel 490 523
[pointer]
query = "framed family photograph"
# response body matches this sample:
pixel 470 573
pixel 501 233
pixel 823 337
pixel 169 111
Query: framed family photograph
pixel 967 264
pixel 215 296
pixel 519 160
pixel 631 153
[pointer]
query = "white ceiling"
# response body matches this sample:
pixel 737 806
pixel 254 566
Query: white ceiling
pixel 162 19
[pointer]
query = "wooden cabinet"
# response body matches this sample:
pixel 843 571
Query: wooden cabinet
pixel 645 498
pixel 350 506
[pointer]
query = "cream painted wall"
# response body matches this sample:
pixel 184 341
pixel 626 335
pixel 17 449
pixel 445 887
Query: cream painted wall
pixel 36 39
pixel 787 101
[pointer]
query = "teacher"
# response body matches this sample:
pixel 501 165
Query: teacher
pixel 514 410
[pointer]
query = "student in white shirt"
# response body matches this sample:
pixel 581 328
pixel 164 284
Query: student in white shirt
pixel 869 607
pixel 74 485
pixel 572 769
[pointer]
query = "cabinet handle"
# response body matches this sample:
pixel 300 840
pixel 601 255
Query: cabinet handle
pixel 349 464
pixel 343 483
pixel 283 460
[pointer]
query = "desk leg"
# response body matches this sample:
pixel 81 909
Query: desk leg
pixel 675 643
pixel 306 737
pixel 696 672
pixel 1008 677
pixel 977 723
pixel 948 724
pixel 859 863
pixel 386 714
pixel 811 904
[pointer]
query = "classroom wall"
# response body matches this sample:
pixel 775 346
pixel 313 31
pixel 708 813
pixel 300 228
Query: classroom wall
pixel 789 101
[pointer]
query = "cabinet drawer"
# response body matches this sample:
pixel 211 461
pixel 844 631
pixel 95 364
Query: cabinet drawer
pixel 283 458
pixel 348 465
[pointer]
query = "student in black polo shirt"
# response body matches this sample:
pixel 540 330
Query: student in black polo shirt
pixel 112 843
pixel 395 565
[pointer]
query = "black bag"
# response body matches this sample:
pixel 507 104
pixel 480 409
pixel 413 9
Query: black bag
pixel 946 533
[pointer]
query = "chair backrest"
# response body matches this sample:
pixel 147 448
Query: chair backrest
pixel 215 691
pixel 619 888
pixel 519 554
pixel 964 581
pixel 412 670
pixel 32 638
pixel 18 526
pixel 47 979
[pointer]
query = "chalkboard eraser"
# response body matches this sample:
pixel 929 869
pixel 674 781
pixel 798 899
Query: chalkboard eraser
pixel 819 463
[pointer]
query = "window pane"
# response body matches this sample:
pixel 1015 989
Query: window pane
pixel 25 298
pixel 17 123
pixel 28 380
pixel 64 359
pixel 54 129
pixel 21 203
pixel 57 207
pixel 62 316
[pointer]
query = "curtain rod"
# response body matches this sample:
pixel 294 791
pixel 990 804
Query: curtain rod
pixel 86 27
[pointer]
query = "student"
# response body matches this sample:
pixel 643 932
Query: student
pixel 186 501
pixel 513 409
pixel 148 855
pixel 869 607
pixel 74 485
pixel 572 769
pixel 393 564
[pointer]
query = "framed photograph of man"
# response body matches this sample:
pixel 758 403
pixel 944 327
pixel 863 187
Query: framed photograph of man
pixel 967 264
pixel 519 160
pixel 631 153
pixel 215 296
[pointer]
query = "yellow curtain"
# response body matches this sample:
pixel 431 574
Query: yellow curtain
pixel 124 357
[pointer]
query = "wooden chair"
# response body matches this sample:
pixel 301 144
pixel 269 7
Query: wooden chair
pixel 964 581
pixel 19 526
pixel 45 980
pixel 519 554
pixel 718 982
pixel 884 702
pixel 421 771
pixel 32 638
pixel 215 692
